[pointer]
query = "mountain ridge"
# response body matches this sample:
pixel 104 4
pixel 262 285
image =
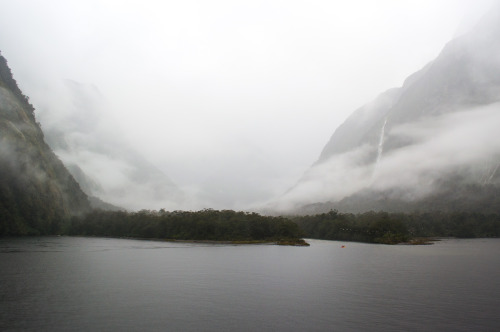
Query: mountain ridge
pixel 414 144
pixel 37 193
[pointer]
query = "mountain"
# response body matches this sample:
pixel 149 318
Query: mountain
pixel 37 193
pixel 431 144
pixel 85 136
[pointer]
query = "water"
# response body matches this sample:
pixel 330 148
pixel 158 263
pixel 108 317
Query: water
pixel 95 284
pixel 380 148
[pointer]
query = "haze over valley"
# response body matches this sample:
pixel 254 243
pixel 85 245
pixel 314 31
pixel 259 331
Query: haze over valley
pixel 249 165
pixel 230 106
pixel 431 138
pixel 189 106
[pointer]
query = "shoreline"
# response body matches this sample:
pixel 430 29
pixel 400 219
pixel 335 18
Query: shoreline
pixel 292 242
pixel 422 241
pixel 285 242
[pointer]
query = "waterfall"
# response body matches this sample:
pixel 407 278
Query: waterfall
pixel 381 143
pixel 380 149
pixel 490 170
pixel 492 174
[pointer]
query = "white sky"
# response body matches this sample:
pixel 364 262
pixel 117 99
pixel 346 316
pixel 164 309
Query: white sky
pixel 231 99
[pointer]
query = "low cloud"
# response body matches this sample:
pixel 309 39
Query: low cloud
pixel 95 150
pixel 465 142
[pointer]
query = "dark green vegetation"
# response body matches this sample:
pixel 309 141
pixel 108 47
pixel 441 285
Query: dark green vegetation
pixel 391 228
pixel 208 224
pixel 38 196
pixel 37 193
pixel 367 227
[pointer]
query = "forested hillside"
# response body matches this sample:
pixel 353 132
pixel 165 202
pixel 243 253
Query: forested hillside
pixel 393 228
pixel 208 224
pixel 37 193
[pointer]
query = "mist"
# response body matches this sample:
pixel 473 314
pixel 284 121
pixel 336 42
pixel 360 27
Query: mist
pixel 465 141
pixel 230 102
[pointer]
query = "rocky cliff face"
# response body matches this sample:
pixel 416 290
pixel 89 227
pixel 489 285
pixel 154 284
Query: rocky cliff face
pixel 37 193
pixel 433 139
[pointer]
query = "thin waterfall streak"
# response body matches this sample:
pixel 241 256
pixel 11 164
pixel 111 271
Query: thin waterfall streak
pixel 381 143
pixel 380 149
pixel 486 174
pixel 493 173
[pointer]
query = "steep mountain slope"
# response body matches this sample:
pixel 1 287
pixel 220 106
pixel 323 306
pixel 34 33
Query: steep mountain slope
pixel 466 74
pixel 431 144
pixel 85 136
pixel 358 128
pixel 37 193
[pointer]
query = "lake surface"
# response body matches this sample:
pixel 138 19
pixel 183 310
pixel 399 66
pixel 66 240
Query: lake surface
pixel 98 284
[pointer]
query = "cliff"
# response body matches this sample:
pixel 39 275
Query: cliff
pixel 37 193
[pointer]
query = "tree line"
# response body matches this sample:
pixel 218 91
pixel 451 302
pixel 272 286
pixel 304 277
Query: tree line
pixel 390 228
pixel 229 225
pixel 208 224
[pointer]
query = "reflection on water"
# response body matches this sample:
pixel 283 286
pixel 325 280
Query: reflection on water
pixel 99 284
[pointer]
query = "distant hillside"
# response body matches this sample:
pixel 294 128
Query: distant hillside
pixel 432 144
pixel 85 136
pixel 37 193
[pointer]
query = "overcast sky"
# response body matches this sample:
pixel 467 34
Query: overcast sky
pixel 233 99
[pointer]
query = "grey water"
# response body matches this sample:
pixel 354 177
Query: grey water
pixel 100 284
